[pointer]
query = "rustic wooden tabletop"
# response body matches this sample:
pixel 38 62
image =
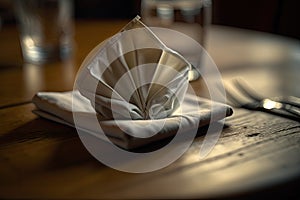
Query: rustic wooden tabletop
pixel 257 154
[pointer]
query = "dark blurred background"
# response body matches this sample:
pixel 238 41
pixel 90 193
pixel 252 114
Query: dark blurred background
pixel 273 16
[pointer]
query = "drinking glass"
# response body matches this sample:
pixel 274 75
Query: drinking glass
pixel 189 17
pixel 46 29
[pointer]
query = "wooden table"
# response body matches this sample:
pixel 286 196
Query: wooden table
pixel 256 155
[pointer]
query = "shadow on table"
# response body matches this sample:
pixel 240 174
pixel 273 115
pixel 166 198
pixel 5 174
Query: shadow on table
pixel 58 144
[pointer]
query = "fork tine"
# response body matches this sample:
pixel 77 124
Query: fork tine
pixel 244 97
pixel 232 100
pixel 249 92
pixel 233 97
pixel 292 100
pixel 246 89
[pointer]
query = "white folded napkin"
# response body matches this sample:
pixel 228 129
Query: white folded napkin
pixel 133 88
pixel 57 106
pixel 135 73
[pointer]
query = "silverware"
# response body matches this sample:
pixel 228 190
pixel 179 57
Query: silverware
pixel 242 95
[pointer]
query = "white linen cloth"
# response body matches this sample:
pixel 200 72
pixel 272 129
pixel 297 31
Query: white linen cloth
pixel 136 89
pixel 133 75
pixel 57 106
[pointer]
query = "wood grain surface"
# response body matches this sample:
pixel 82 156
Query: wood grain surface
pixel 257 154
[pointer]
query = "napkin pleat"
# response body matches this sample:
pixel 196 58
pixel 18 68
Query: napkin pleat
pixel 60 107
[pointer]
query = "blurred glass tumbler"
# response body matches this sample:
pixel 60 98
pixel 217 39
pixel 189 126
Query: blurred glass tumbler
pixel 46 29
pixel 190 17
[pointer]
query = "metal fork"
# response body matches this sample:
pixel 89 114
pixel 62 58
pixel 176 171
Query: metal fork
pixel 242 95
